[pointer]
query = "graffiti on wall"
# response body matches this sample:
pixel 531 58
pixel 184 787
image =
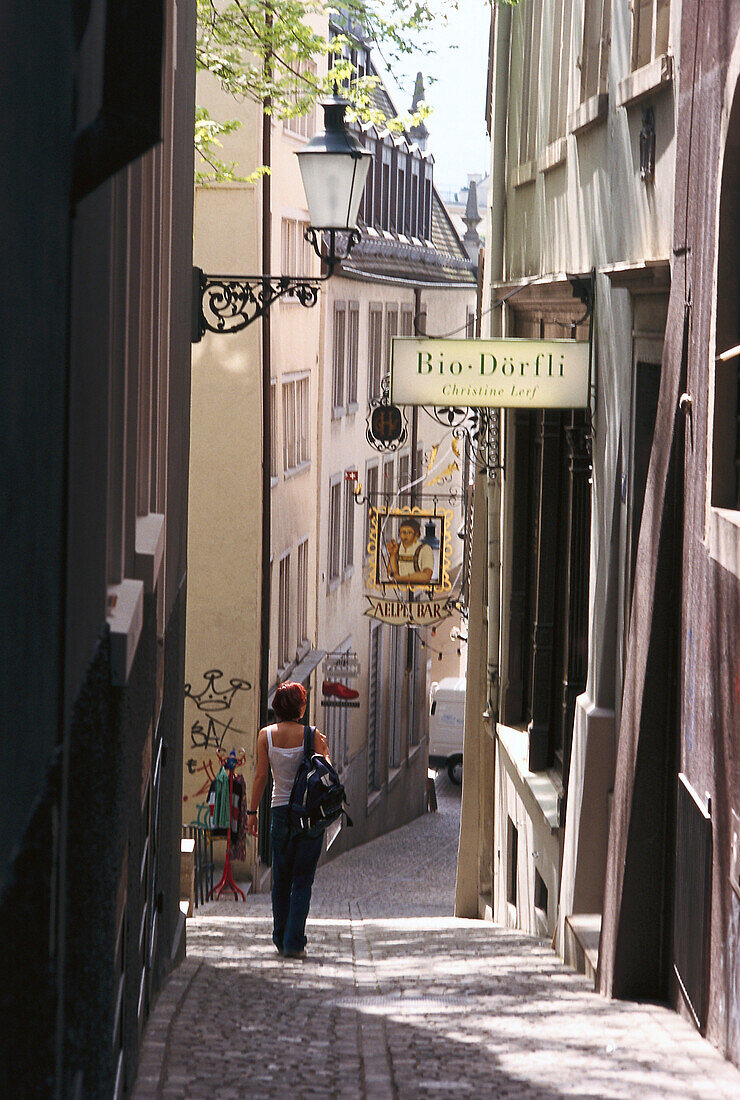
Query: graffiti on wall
pixel 212 729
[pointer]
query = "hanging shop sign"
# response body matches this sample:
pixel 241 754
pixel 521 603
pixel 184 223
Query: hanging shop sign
pixel 386 423
pixel 414 613
pixel 409 549
pixel 341 664
pixel 511 374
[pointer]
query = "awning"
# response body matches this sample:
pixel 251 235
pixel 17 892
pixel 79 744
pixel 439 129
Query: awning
pixel 302 671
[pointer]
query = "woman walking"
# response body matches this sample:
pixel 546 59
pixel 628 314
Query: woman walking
pixel 294 857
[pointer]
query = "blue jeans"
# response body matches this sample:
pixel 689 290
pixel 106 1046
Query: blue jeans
pixel 294 860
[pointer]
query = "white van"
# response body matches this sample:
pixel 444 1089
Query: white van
pixel 447 724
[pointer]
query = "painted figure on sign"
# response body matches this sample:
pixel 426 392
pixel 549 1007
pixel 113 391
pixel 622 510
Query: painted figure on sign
pixel 411 562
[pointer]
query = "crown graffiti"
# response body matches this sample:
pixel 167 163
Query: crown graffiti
pixel 211 698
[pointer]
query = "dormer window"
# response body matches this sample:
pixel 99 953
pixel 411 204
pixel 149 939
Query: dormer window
pixel 400 218
pixel 414 199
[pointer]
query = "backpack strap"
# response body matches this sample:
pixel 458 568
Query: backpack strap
pixel 308 737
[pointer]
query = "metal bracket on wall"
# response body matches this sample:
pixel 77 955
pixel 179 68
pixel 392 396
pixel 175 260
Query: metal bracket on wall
pixel 584 288
pixel 228 303
pixel 467 425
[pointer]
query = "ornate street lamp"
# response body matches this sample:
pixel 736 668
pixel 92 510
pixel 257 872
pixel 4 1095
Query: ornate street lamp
pixel 334 167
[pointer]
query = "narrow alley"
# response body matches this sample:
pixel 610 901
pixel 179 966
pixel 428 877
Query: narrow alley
pixel 398 1000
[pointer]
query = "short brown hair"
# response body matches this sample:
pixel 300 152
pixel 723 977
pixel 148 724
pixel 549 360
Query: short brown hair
pixel 289 701
pixel 409 521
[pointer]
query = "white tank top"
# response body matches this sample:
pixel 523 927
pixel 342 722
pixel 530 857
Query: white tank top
pixel 284 764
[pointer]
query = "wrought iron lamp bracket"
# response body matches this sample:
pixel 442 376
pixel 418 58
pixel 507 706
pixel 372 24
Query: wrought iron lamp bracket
pixel 228 303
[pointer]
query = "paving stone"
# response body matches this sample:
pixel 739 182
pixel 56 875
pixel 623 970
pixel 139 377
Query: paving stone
pixel 403 1001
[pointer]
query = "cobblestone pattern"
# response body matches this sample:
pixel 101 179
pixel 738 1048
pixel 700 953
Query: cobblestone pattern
pixel 397 1000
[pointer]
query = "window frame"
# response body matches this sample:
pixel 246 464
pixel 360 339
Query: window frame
pixel 302 573
pixel 375 361
pixel 352 356
pixel 334 533
pixel 301 126
pixel 284 655
pixel 348 525
pixel 371 495
pixel 657 8
pixel 296 422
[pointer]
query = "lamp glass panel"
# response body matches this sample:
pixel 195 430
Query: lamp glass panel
pixel 333 183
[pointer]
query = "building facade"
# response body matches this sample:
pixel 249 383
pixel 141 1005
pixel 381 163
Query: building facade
pixel 613 809
pixel 672 898
pixel 408 274
pixel 325 366
pixel 98 219
pixel 253 461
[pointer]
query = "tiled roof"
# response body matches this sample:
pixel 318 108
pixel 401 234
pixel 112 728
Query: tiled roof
pixel 412 259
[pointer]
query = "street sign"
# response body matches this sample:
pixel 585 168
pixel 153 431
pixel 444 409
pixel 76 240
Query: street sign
pixel 414 613
pixel 512 374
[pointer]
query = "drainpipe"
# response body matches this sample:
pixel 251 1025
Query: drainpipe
pixel 263 843
pixel 494 256
pixel 496 420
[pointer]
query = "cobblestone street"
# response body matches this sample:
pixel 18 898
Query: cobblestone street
pixel 398 1000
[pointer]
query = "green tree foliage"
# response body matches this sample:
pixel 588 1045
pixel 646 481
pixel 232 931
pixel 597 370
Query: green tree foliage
pixel 260 50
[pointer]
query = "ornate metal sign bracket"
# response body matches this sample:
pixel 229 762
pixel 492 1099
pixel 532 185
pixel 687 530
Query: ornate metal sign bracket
pixel 467 425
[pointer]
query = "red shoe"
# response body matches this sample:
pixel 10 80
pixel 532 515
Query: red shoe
pixel 343 692
pixel 328 688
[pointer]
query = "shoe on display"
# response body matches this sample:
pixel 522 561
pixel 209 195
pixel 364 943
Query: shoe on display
pixel 344 692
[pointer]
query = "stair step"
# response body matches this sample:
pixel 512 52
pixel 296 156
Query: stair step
pixel 582 934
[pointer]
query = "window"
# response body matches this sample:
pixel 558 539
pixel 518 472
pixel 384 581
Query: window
pixel 338 355
pixel 367 209
pixel 512 860
pixel 273 430
pixel 470 324
pixel 404 479
pixel 391 330
pixel 417 683
pixel 348 556
pixel 385 188
pixel 397 663
pixel 296 254
pixel 283 650
pixel 335 529
pixel 726 421
pixel 400 217
pixel 650 25
pixel 375 352
pixel 389 474
pixel 302 594
pixel 288 235
pixel 371 495
pixel 427 215
pixel 353 353
pixel 413 214
pixel 560 70
pixel 530 26
pixel 296 441
pixel 301 122
pixel 594 59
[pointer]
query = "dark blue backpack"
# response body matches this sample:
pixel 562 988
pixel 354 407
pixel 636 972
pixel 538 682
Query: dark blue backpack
pixel 318 795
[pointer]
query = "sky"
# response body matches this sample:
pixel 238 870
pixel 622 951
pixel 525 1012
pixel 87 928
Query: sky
pixel 457 127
